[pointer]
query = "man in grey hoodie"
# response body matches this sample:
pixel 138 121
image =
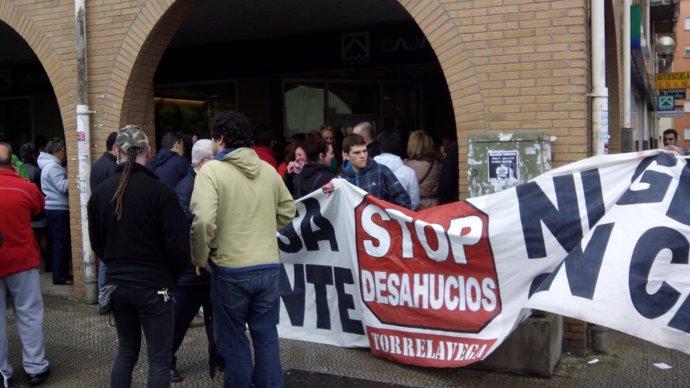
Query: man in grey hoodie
pixel 54 184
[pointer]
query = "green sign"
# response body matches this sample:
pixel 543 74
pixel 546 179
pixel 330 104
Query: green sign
pixel 665 103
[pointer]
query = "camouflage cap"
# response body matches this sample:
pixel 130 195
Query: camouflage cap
pixel 131 136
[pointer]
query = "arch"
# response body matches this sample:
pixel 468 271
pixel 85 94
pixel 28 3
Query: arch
pixel 154 27
pixel 446 39
pixel 131 87
pixel 34 36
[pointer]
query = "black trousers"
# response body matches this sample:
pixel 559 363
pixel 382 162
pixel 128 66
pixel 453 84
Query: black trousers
pixel 135 309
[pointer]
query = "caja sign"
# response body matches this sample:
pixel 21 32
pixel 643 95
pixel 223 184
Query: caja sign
pixel 431 269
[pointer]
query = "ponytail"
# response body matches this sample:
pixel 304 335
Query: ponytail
pixel 124 179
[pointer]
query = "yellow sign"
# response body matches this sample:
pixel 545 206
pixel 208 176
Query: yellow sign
pixel 679 80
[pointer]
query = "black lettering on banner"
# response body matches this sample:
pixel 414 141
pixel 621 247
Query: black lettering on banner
pixel 678 210
pixel 582 268
pixel 641 167
pixel 594 199
pixel 325 231
pixel 666 160
pixel 294 243
pixel 658 184
pixel 293 296
pixel 346 301
pixel 540 280
pixel 321 276
pixel 563 222
pixel 646 250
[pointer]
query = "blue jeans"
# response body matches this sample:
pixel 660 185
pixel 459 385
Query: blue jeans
pixel 58 227
pixel 240 299
pixel 102 270
pixel 135 309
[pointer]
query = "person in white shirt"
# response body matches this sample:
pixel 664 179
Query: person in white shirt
pixel 391 148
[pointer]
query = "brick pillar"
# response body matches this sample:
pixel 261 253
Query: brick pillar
pixel 575 336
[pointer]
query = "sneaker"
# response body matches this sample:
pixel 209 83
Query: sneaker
pixel 175 376
pixel 38 378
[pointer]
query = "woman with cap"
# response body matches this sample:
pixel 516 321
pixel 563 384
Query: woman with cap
pixel 137 227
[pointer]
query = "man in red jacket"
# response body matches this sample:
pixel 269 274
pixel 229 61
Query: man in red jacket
pixel 19 261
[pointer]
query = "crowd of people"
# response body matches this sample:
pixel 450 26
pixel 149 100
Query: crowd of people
pixel 191 230
pixel 418 176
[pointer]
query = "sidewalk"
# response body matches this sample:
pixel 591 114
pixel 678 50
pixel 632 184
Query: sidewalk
pixel 81 346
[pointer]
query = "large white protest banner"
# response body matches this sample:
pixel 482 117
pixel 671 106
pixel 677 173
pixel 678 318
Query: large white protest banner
pixel 604 240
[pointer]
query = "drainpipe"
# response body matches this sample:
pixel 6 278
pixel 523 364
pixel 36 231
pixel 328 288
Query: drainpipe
pixel 599 94
pixel 600 122
pixel 84 153
pixel 626 131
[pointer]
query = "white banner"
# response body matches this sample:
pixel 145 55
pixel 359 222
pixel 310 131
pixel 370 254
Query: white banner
pixel 604 240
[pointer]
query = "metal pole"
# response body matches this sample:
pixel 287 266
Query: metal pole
pixel 84 153
pixel 600 120
pixel 626 131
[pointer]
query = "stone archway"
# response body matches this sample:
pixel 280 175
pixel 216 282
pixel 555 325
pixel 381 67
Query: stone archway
pixel 58 70
pixel 155 27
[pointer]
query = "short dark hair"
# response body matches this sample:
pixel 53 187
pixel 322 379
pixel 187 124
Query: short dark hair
pixel 110 141
pixel 391 142
pixel 263 136
pixel 40 141
pixel 169 139
pixel 187 142
pixel 314 145
pixel 233 127
pixel 27 152
pixel 352 140
pixel 672 131
pixel 54 144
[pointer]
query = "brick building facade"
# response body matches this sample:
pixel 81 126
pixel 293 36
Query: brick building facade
pixel 509 65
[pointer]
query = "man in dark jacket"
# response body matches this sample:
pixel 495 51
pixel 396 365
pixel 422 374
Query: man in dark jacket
pixel 193 291
pixel 376 179
pixel 138 229
pixel 103 168
pixel 366 130
pixel 106 165
pixel 168 163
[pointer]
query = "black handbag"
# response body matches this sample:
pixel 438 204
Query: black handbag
pixel 105 294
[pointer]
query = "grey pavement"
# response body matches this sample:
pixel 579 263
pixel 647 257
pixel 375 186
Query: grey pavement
pixel 81 346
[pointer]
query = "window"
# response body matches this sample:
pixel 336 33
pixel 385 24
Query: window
pixel 687 24
pixel 189 106
pixel 341 105
pixel 687 51
pixel 304 107
pixel 686 106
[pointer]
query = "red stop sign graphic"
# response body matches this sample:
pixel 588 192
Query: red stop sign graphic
pixel 431 269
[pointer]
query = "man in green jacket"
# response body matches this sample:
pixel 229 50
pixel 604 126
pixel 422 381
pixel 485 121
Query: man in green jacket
pixel 239 202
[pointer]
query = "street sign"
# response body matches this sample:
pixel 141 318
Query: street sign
pixel 678 94
pixel 665 103
pixel 680 80
pixel 673 113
